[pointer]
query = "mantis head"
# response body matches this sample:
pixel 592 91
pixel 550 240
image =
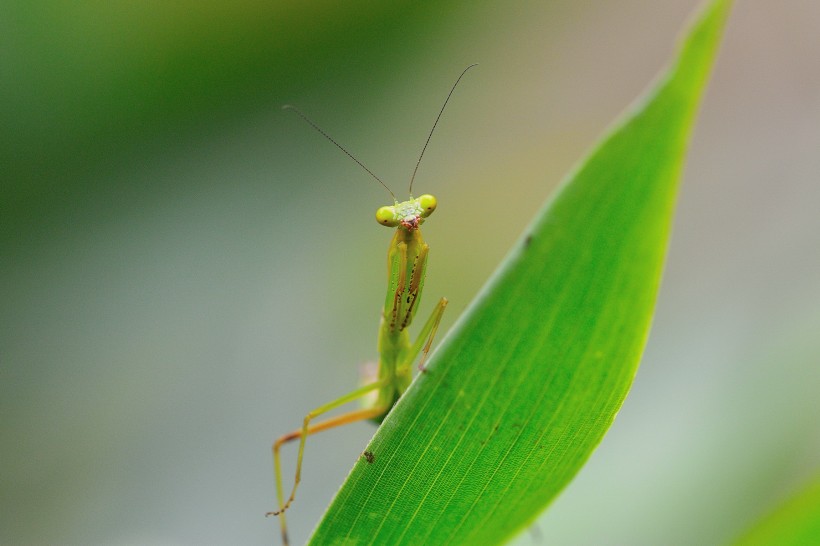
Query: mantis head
pixel 408 214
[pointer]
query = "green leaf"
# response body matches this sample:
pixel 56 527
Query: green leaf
pixel 527 383
pixel 795 523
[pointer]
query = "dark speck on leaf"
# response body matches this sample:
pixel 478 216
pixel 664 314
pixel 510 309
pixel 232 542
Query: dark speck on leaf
pixel 369 457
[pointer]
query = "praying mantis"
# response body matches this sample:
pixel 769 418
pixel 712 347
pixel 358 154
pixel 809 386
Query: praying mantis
pixel 406 271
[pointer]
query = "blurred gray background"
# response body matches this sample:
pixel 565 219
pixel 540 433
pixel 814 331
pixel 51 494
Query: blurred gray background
pixel 186 270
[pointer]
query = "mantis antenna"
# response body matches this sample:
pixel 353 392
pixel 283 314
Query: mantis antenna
pixel 351 156
pixel 450 94
pixel 327 136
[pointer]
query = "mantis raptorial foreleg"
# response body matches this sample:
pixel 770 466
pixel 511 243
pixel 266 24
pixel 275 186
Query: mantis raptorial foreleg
pixel 427 333
pixel 308 429
pixel 416 285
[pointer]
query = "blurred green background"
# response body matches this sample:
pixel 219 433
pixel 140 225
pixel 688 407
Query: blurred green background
pixel 185 269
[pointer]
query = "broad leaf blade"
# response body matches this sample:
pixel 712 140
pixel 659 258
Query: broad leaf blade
pixel 795 523
pixel 525 386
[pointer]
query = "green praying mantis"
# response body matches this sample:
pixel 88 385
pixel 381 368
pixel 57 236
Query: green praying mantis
pixel 406 270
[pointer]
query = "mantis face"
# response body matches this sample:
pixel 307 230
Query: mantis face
pixel 408 214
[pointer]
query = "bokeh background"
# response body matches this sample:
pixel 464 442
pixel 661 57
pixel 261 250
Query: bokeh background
pixel 185 269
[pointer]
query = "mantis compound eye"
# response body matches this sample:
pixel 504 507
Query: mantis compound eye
pixel 386 216
pixel 428 204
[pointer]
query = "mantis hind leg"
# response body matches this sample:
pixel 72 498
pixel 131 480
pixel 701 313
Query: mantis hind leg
pixel 307 429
